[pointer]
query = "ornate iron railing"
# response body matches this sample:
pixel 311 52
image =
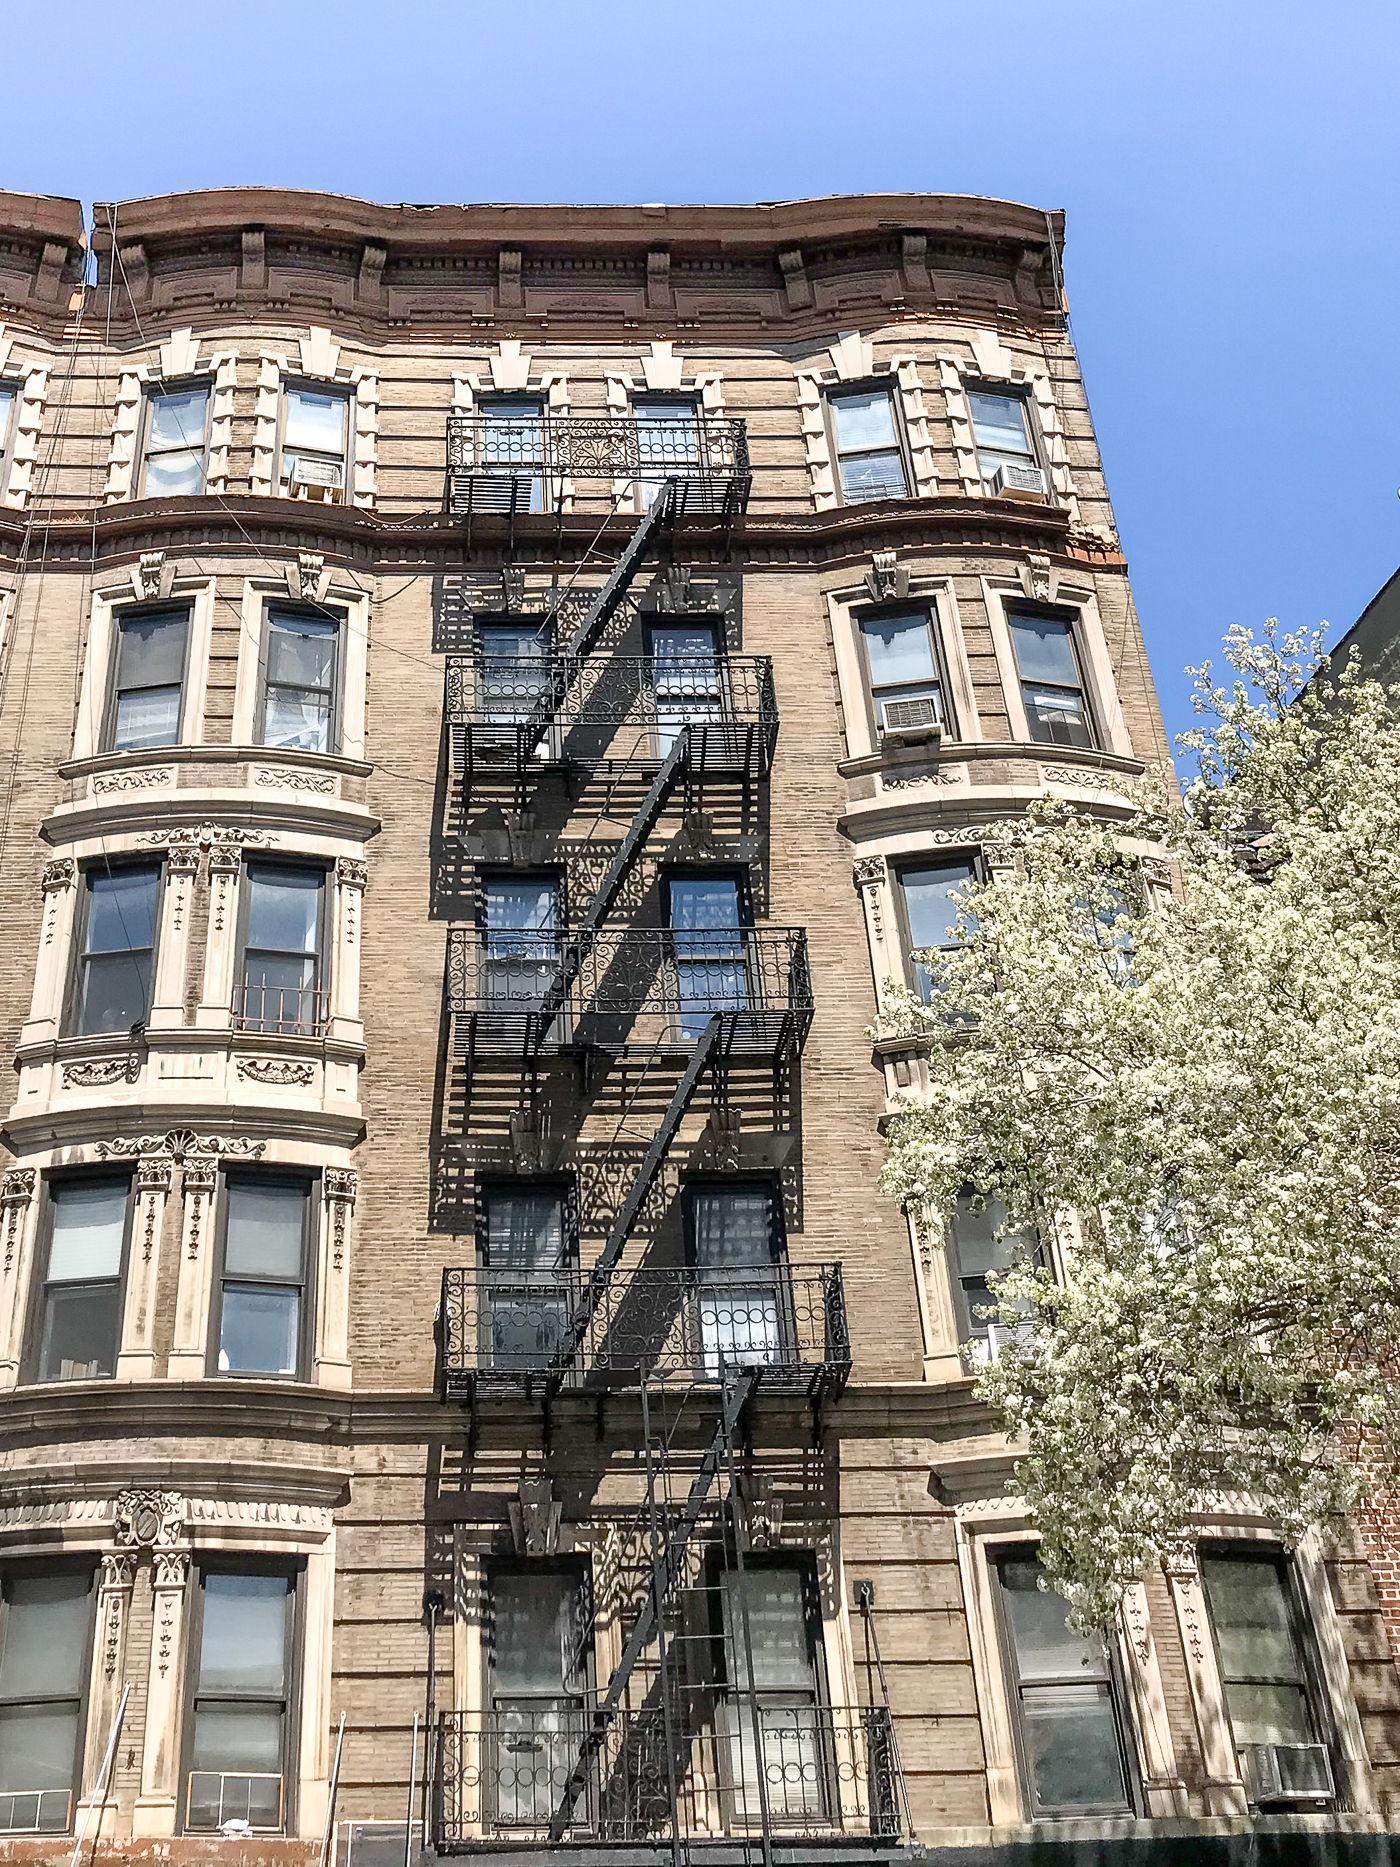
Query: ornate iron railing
pixel 517 463
pixel 513 1327
pixel 631 986
pixel 284 1010
pixel 624 707
pixel 739 1762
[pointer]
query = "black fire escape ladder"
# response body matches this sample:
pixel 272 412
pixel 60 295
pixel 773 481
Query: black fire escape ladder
pixel 600 1276
pixel 658 516
pixel 666 1569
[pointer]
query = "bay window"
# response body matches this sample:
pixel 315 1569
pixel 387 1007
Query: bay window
pixel 172 457
pixel 869 457
pixel 115 948
pixel 148 679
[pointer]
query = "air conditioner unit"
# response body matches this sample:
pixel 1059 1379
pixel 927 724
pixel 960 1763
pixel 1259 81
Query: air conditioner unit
pixel 1013 480
pixel 325 474
pixel 1287 1773
pixel 908 722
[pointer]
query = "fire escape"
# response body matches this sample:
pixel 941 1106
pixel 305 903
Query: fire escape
pixel 660 1756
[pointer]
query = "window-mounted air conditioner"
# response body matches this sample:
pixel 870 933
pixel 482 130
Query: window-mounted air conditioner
pixel 1287 1773
pixel 911 722
pixel 1019 480
pixel 317 479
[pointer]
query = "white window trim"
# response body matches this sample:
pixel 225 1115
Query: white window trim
pixel 1101 689
pixel 258 593
pixel 198 592
pixel 179 362
pixel 509 368
pixel 940 596
pixel 853 361
pixel 994 367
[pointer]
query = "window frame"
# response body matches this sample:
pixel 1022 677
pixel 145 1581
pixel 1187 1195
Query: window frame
pixel 579 1565
pixel 76 1563
pixel 968 1325
pixel 228 1562
pixel 181 385
pixel 933 621
pixel 888 386
pixel 309 1182
pixel 183 606
pixel 325 932
pixel 73 991
pixel 315 385
pixel 34 1324
pixel 775 1276
pixel 314 612
pixel 1025 395
pixel 1015 608
pixel 900 866
pixel 1119 1698
pixel 9 431
pixel 541 482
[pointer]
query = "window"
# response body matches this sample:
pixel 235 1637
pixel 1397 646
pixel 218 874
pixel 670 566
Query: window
pixel 538 1679
pixel 1002 432
pixel 238 1764
pixel 736 1250
pixel 1258 1638
pixel 313 441
pixel 45 1634
pixel 261 1324
pixel 976 1250
pixel 685 677
pixel 526 1252
pixel 513 668
pixel 9 400
pixel 772 1616
pixel 148 677
pixel 926 891
pixel 707 917
pixel 668 440
pixel 1052 688
pixel 521 935
pixel 301 685
pixel 1063 1700
pixel 869 458
pixel 512 446
pixel 116 949
pixel 172 463
pixel 906 683
pixel 282 950
pixel 80 1298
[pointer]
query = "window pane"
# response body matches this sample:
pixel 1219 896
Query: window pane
pixel 260 1328
pixel 173 476
pixel 900 649
pixel 151 651
pixel 1072 1747
pixel 243 1645
pixel 38 1752
pixel 529 904
pixel 978 1247
pixel 300 650
pixel 1000 422
pixel 873 476
pixel 525 1229
pixel 315 421
pixel 1045 1647
pixel 45 1636
pixel 148 717
pixel 238 1737
pixel 89 1220
pixel 121 909
pixel 264 1230
pixel 537 1631
pixel 732 1226
pixel 79 1341
pixel 1056 716
pixel 284 909
pixel 1268 1714
pixel 703 903
pixel 1250 1613
pixel 863 420
pixel 1044 650
pixel 114 993
pixel 777 1632
pixel 298 722
pixel 177 419
pixel 929 903
pixel 7 404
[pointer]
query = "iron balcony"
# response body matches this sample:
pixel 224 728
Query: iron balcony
pixel 738 1765
pixel 622 709
pixel 629 987
pixel 511 1329
pixel 516 464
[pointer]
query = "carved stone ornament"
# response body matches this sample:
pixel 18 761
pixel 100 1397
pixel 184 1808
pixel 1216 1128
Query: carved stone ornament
pixel 341 1183
pixel 722 1131
pixel 179 1144
pixel 285 778
pixel 534 1518
pixel 17 1187
pixel 153 1175
pixel 868 870
pixel 1038 580
pixel 1086 778
pixel 182 861
pixel 512 587
pixel 147 778
pixel 200 1175
pixel 60 874
pixel 119 1569
pixel 146 576
pixel 762 1514
pixel 100 1071
pixel 350 872
pixel 172 1571
pixel 280 1071
pixel 147 1519
pixel 885 580
pixel 526 1142
pixel 209 836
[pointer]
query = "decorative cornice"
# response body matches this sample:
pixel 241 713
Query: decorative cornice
pixel 180 1144
pixel 97 1072
pixel 279 1071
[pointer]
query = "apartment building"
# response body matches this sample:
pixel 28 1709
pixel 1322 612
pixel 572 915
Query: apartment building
pixel 492 697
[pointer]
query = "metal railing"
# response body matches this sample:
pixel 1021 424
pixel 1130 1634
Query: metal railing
pixel 739 1762
pixel 631 986
pixel 517 463
pixel 284 1010
pixel 626 707
pixel 697 1325
pixel 213 1797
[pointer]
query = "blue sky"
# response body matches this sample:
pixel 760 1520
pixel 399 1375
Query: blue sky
pixel 1229 171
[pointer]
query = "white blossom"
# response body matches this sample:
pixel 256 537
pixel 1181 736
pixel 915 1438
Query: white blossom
pixel 1211 1083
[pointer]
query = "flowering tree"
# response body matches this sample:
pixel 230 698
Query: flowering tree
pixel 1199 1097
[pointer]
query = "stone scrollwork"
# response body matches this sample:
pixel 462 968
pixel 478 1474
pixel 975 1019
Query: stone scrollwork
pixel 60 874
pixel 209 836
pixel 350 872
pixel 16 1191
pixel 98 1072
pixel 340 1185
pixel 148 1519
pixel 279 1071
pixel 284 778
pixel 868 870
pixel 152 778
pixel 179 1144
